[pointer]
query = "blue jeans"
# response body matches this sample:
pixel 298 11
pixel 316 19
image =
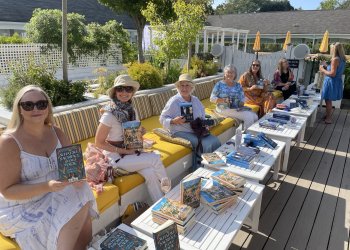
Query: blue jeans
pixel 210 143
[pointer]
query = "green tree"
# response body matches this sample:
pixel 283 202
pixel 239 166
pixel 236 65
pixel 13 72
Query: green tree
pixel 132 8
pixel 329 4
pixel 276 6
pixel 250 6
pixel 45 26
pixel 173 36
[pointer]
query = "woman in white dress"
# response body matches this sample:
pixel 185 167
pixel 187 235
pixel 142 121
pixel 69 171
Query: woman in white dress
pixel 109 137
pixel 36 209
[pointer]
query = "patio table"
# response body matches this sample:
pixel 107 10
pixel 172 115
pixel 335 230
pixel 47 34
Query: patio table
pixel 284 133
pixel 263 163
pixel 212 231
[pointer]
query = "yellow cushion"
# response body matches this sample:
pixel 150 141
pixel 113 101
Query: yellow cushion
pixel 107 198
pixel 151 123
pixel 128 182
pixel 7 243
pixel 223 126
pixel 209 105
pixel 277 93
pixel 255 108
pixel 85 143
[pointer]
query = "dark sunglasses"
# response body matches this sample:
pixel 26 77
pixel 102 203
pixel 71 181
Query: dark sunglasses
pixel 29 105
pixel 256 65
pixel 127 89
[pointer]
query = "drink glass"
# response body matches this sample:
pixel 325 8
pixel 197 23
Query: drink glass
pixel 165 185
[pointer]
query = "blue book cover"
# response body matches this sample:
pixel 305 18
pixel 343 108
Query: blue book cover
pixel 121 240
pixel 190 191
pixel 268 124
pixel 215 194
pixel 186 111
pixel 70 163
pixel 173 210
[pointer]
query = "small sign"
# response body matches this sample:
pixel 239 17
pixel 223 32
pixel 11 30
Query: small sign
pixel 293 63
pixel 70 163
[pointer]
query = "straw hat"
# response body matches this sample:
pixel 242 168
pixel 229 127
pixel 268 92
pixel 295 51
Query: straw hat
pixel 123 80
pixel 184 77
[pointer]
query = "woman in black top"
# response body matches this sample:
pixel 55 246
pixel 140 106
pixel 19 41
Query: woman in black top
pixel 283 78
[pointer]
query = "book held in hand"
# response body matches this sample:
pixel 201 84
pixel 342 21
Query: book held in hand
pixel 166 236
pixel 212 159
pixel 70 163
pixel 186 111
pixel 190 191
pixel 121 240
pixel 132 135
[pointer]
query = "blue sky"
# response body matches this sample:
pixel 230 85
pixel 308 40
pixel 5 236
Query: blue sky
pixel 305 4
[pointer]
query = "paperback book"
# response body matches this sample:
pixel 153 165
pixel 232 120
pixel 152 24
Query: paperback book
pixel 173 210
pixel 132 135
pixel 70 163
pixel 229 179
pixel 213 160
pixel 215 193
pixel 190 191
pixel 166 236
pixel 121 240
pixel 186 111
pixel 243 156
pixel 268 124
pixel 181 229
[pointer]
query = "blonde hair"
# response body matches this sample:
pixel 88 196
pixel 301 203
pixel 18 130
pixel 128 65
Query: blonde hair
pixel 280 65
pixel 338 51
pixel 17 119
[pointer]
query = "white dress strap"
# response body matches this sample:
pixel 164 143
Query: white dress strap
pixel 17 141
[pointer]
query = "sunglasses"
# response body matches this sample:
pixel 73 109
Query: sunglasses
pixel 127 89
pixel 256 65
pixel 29 105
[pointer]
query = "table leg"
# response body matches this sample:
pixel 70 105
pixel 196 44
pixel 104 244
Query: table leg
pixel 301 135
pixel 286 155
pixel 256 215
pixel 313 118
pixel 277 167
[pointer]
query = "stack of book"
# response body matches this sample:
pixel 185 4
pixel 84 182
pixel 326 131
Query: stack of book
pixel 217 196
pixel 232 181
pixel 181 214
pixel 242 157
pixel 267 124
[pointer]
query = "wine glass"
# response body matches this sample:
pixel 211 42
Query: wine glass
pixel 165 185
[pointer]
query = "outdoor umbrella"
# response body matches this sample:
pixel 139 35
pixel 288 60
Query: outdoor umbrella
pixel 288 41
pixel 256 47
pixel 324 43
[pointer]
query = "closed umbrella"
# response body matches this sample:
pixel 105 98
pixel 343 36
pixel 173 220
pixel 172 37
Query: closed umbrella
pixel 288 41
pixel 324 43
pixel 256 47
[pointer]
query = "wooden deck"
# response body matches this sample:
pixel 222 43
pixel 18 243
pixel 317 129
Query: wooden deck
pixel 308 207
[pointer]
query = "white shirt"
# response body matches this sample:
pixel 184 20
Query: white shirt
pixel 116 132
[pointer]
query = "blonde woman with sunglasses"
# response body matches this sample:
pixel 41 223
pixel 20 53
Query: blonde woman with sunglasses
pixel 36 209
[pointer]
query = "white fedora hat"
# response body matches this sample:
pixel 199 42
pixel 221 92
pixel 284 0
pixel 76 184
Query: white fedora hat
pixel 123 80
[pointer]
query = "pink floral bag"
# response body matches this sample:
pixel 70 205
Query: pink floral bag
pixel 97 168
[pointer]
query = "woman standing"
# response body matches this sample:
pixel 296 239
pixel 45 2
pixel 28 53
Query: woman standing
pixel 36 209
pixel 283 78
pixel 110 138
pixel 172 119
pixel 256 94
pixel 333 85
pixel 227 92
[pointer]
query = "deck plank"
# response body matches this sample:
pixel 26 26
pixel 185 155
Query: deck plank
pixel 290 213
pixel 280 198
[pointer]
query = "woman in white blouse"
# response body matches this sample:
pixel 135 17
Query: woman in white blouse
pixel 109 137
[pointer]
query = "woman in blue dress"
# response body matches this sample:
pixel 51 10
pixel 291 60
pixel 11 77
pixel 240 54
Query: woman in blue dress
pixel 333 85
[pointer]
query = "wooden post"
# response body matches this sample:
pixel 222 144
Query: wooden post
pixel 238 40
pixel 245 42
pixel 205 42
pixel 64 41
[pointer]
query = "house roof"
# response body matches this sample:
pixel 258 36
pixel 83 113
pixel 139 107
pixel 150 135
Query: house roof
pixel 297 22
pixel 22 10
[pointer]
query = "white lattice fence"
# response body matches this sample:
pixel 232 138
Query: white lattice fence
pixel 11 53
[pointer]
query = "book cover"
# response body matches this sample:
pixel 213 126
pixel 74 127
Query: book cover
pixel 215 193
pixel 213 159
pixel 243 156
pixel 174 210
pixel 121 240
pixel 186 111
pixel 268 141
pixel 190 191
pixel 181 229
pixel 132 135
pixel 267 124
pixel 70 163
pixel 228 178
pixel 166 237
pixel 234 102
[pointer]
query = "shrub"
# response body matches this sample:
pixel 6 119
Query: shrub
pixel 60 92
pixel 200 68
pixel 172 74
pixel 15 38
pixel 105 81
pixel 147 75
pixel 347 81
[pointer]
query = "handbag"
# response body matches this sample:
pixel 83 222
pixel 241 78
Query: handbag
pixel 200 130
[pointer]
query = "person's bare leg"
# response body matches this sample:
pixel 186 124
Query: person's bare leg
pixel 85 235
pixel 71 230
pixel 328 111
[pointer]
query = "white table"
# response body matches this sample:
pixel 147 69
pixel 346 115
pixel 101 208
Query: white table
pixel 310 112
pixel 283 133
pixel 211 231
pixel 126 228
pixel 266 159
